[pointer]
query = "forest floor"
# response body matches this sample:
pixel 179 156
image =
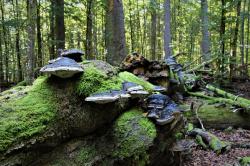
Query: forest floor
pixel 202 157
pixel 205 157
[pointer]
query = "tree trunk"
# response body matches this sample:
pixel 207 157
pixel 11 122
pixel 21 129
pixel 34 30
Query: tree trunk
pixel 32 11
pixel 89 34
pixel 60 26
pixel 52 30
pixel 39 37
pixel 1 62
pixel 153 28
pixel 17 44
pixel 242 41
pixel 115 32
pixel 167 32
pixel 248 32
pixel 233 60
pixel 6 49
pixel 222 36
pixel 205 44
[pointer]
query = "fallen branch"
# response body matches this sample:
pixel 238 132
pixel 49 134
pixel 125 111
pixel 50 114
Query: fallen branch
pixel 201 65
pixel 207 139
pixel 197 117
pixel 239 103
pixel 237 99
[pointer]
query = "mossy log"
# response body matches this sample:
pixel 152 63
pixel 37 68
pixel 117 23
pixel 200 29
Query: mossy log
pixel 221 100
pixel 245 103
pixel 207 139
pixel 36 119
pixel 201 65
pixel 216 117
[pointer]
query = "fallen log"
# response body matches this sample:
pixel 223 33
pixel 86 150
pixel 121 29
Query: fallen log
pixel 207 139
pixel 219 118
pixel 238 103
pixel 240 100
pixel 201 65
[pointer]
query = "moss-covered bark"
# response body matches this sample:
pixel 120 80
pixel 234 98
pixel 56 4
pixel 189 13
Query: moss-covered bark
pixel 219 117
pixel 36 119
pixel 126 142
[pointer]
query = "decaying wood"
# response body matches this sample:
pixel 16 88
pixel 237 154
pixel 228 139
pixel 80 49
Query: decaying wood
pixel 201 65
pixel 245 103
pixel 209 140
pixel 222 100
pixel 219 117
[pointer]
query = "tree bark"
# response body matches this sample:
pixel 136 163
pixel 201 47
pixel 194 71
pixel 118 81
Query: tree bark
pixel 39 37
pixel 234 42
pixel 248 32
pixel 89 34
pixel 52 30
pixel 153 28
pixel 222 36
pixel 60 26
pixel 1 62
pixel 167 32
pixel 32 11
pixel 115 32
pixel 5 38
pixel 205 44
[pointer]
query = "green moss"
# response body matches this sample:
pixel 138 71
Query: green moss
pixel 126 76
pixel 216 144
pixel 134 133
pixel 245 161
pixel 28 115
pixel 179 136
pixel 95 81
pixel 86 154
pixel 200 141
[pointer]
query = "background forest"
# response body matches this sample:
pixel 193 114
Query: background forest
pixel 32 31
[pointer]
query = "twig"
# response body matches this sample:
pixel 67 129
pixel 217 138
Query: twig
pixel 197 117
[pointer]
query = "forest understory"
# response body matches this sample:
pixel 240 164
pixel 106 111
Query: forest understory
pixel 235 136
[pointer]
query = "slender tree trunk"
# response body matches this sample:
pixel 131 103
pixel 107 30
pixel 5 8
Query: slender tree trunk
pixel 115 32
pixel 60 26
pixel 234 42
pixel 18 54
pixel 6 49
pixel 222 36
pixel 52 30
pixel 39 37
pixel 131 28
pixel 248 33
pixel 89 34
pixel 242 41
pixel 1 62
pixel 32 11
pixel 153 28
pixel 167 32
pixel 205 44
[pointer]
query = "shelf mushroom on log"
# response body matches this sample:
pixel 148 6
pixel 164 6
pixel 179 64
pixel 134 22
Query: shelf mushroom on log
pixel 62 67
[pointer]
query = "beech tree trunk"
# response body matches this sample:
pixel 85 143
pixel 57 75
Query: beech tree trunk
pixel 31 30
pixel 89 34
pixel 6 49
pixel 205 44
pixel 39 37
pixel 115 32
pixel 234 42
pixel 222 36
pixel 167 32
pixel 153 28
pixel 60 26
pixel 52 30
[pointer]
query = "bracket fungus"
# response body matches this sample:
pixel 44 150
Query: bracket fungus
pixel 62 67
